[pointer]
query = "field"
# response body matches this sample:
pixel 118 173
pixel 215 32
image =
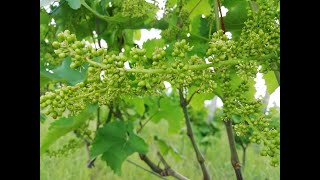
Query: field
pixel 73 167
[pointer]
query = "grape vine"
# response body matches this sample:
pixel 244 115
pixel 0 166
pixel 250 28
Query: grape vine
pixel 224 67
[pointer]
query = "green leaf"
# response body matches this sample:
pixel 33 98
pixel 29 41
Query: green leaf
pixel 44 18
pixel 65 125
pixel 236 81
pixel 152 104
pixel 166 148
pixel 116 141
pixel 44 80
pixel 42 117
pixel 197 101
pixel 236 118
pixel 270 81
pixel 139 105
pixel 128 37
pixel 202 8
pixel 74 4
pixel 150 45
pixel 252 90
pixel 199 48
pixel 137 35
pixel 235 17
pixel 170 111
pixel 64 73
pixel 136 102
pixel 200 26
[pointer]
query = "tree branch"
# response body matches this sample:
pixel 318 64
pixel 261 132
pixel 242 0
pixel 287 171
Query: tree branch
pixel 200 158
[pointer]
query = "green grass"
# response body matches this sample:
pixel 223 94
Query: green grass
pixel 73 167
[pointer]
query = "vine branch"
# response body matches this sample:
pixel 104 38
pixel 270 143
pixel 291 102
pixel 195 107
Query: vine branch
pixel 188 67
pixel 200 158
pixel 222 22
pixel 234 155
pixel 169 170
pixel 162 172
pixel 129 161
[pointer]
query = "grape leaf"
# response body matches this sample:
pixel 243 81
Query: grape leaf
pixel 270 81
pixel 198 9
pixel 152 105
pixel 44 18
pixel 236 81
pixel 65 125
pixel 150 45
pixel 116 141
pixel 198 49
pixel 64 73
pixel 137 102
pixel 128 37
pixel 44 80
pixel 74 4
pixel 200 26
pixel 197 101
pixel 71 76
pixel 139 105
pixel 236 16
pixel 42 117
pixel 171 112
pixel 166 148
pixel 137 35
pixel 236 118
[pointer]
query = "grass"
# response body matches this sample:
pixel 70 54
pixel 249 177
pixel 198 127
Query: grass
pixel 73 167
